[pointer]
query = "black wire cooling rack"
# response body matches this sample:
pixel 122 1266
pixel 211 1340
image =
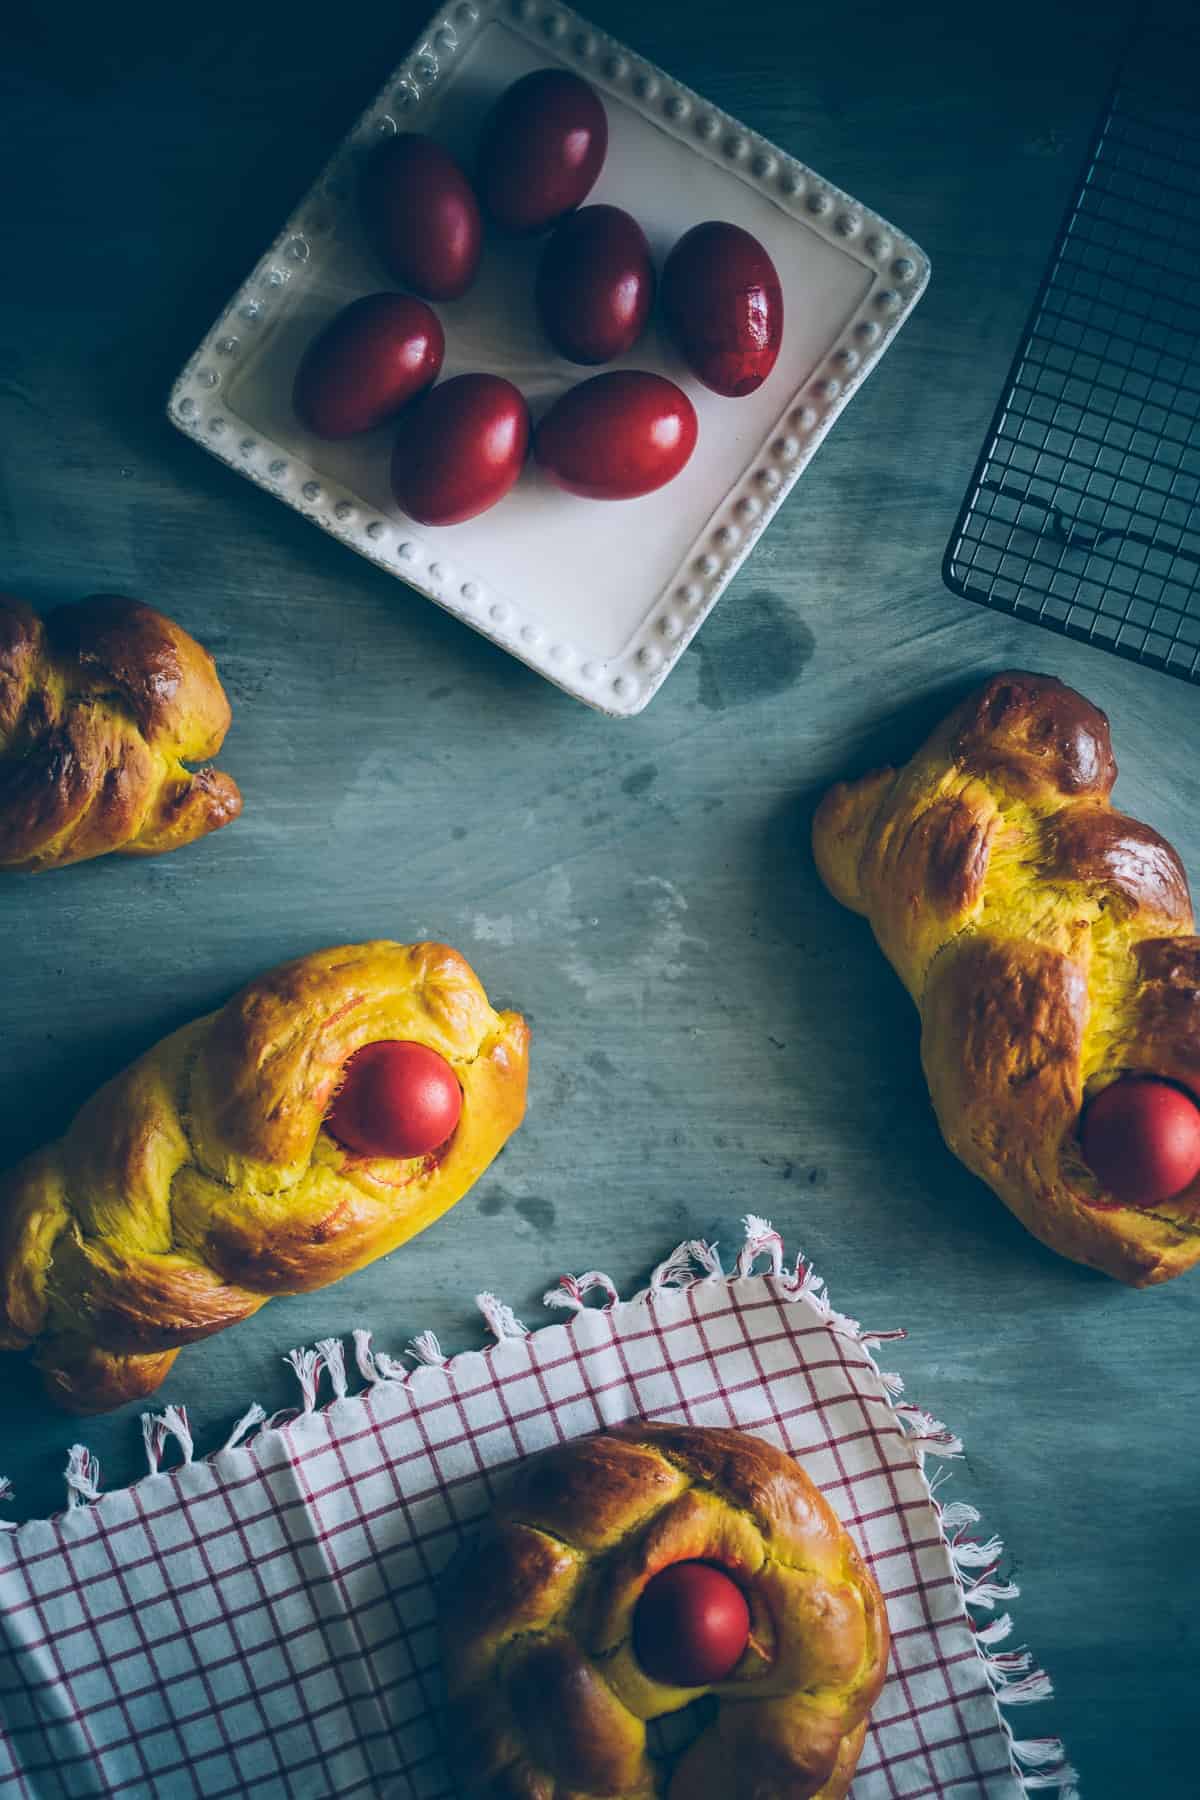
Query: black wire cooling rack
pixel 1084 509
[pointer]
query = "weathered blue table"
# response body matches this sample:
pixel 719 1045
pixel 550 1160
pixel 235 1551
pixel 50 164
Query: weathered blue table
pixel 713 1035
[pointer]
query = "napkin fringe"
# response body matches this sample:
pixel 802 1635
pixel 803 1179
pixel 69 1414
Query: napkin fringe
pixel 1037 1763
pixel 377 1365
pixel 572 1291
pixel 82 1476
pixel 677 1270
pixel 500 1319
pixel 426 1351
pixel 307 1365
pixel 157 1431
pixel 250 1420
pixel 333 1355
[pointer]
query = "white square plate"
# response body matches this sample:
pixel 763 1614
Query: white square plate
pixel 600 597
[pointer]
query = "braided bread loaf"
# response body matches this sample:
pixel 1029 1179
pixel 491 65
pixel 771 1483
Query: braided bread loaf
pixel 1047 940
pixel 101 705
pixel 547 1698
pixel 200 1181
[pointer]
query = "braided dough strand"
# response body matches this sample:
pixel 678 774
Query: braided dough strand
pixel 1047 941
pixel 102 706
pixel 200 1181
pixel 548 1701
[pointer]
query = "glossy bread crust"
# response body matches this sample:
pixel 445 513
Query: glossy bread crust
pixel 200 1181
pixel 102 704
pixel 1047 940
pixel 547 1699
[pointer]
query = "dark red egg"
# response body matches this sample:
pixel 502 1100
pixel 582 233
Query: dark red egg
pixel 396 1099
pixel 460 449
pixel 618 435
pixel 542 147
pixel 1141 1140
pixel 595 284
pixel 723 305
pixel 367 364
pixel 422 216
pixel 691 1625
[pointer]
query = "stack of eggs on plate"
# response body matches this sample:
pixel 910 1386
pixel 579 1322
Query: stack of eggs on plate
pixel 461 445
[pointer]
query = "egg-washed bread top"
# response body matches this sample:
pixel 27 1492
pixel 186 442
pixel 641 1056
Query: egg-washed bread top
pixel 102 706
pixel 1047 940
pixel 202 1180
pixel 546 1695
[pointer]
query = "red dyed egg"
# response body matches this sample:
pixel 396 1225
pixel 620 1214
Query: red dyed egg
pixel 691 1625
pixel 396 1099
pixel 617 436
pixel 543 145
pixel 422 216
pixel 460 449
pixel 595 284
pixel 1141 1140
pixel 367 364
pixel 723 304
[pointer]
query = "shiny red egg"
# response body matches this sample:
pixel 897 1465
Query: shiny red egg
pixel 367 364
pixel 421 215
pixel 595 284
pixel 723 304
pixel 543 145
pixel 1141 1140
pixel 396 1099
pixel 617 436
pixel 460 449
pixel 691 1625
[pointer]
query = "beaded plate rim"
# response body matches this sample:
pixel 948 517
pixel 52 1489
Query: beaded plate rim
pixel 623 684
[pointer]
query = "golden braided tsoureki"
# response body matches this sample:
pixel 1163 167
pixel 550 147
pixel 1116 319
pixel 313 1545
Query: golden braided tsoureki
pixel 204 1179
pixel 102 705
pixel 1047 941
pixel 548 1699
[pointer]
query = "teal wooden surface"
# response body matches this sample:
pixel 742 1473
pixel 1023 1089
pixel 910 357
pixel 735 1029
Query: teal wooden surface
pixel 712 1034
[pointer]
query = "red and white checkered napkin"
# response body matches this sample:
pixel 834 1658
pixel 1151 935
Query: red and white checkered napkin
pixel 263 1622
